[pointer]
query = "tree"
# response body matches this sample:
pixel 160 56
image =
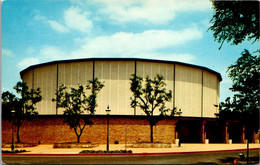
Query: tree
pixel 235 21
pixel 150 97
pixel 245 104
pixel 95 86
pixel 75 102
pixel 24 107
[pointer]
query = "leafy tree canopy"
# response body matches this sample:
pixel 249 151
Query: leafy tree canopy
pixel 75 102
pixel 245 103
pixel 24 106
pixel 245 76
pixel 150 95
pixel 153 95
pixel 235 21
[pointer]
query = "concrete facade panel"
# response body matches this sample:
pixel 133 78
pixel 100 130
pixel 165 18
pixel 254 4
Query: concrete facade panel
pixel 188 90
pixel 28 78
pixel 102 72
pixel 210 94
pixel 195 90
pixel 150 69
pixel 45 78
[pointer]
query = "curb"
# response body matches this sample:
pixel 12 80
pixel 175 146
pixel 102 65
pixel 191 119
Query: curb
pixel 126 154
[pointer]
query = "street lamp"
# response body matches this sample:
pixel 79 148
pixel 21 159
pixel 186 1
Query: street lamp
pixel 12 146
pixel 179 129
pixel 217 113
pixel 108 112
pixel 179 113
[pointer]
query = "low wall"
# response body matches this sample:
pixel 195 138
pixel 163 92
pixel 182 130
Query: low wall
pixel 51 129
pixel 75 145
pixel 20 145
pixel 151 145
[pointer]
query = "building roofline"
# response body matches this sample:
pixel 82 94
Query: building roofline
pixel 129 116
pixel 120 59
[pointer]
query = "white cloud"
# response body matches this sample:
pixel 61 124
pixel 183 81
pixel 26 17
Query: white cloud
pixel 27 62
pixel 46 54
pixel 57 26
pixel 152 11
pixel 149 44
pixel 73 18
pixel 50 53
pixel 78 20
pixel 186 57
pixel 124 44
pixel 7 52
pixel 157 12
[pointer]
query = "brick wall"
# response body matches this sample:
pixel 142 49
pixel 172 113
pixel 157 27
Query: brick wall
pixel 51 129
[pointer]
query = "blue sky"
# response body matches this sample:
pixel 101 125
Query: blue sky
pixel 37 31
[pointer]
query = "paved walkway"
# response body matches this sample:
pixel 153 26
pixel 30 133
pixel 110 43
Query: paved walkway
pixel 48 149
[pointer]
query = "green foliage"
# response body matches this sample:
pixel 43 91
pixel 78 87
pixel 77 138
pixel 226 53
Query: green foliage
pixel 151 97
pixel 245 104
pixel 24 106
pixel 235 21
pixel 15 151
pixel 245 76
pixel 95 86
pixel 105 151
pixel 9 102
pixel 75 102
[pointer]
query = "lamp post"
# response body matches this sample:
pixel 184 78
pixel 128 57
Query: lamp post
pixel 217 113
pixel 179 112
pixel 247 141
pixel 12 146
pixel 108 112
pixel 179 127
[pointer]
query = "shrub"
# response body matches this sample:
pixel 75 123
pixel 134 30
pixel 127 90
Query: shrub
pixel 15 151
pixel 105 151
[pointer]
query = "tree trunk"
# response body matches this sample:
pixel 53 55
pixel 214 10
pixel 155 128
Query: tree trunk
pixel 78 138
pixel 18 135
pixel 78 135
pixel 151 126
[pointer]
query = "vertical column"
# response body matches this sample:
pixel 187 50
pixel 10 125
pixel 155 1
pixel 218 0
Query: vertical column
pixel 57 86
pixel 93 70
pixel 174 84
pixel 135 75
pixel 243 134
pixel 226 133
pixel 203 131
pixel 175 132
pixel 33 79
pixel 202 81
pixel 177 129
pixel 255 137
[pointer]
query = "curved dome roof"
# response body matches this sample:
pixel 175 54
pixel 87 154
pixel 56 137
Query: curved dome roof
pixel 121 59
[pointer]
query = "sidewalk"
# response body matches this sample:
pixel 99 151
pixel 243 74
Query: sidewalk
pixel 185 148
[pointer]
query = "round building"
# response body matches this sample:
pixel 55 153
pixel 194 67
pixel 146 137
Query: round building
pixel 195 88
pixel 195 91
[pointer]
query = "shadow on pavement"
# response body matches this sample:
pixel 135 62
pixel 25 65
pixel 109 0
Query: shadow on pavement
pixel 205 163
pixel 235 160
pixel 228 160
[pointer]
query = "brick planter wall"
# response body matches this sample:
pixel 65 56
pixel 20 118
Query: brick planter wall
pixel 75 145
pixel 51 129
pixel 151 145
pixel 20 145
